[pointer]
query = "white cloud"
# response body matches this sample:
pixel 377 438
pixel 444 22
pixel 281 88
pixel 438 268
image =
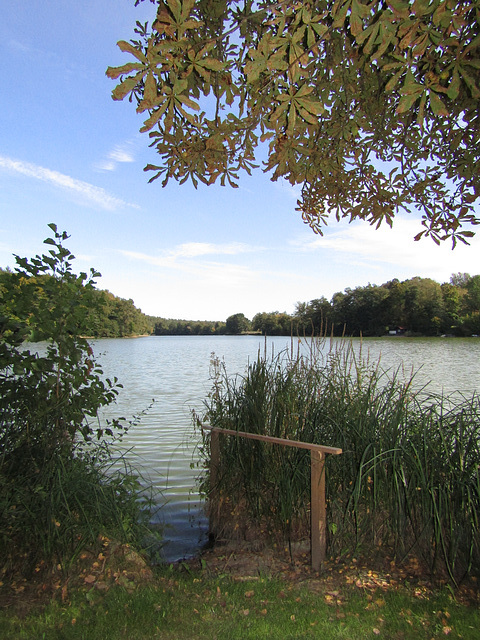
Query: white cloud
pixel 359 244
pixel 214 272
pixel 194 249
pixel 89 192
pixel 120 153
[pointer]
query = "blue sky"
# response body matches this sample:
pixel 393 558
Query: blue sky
pixel 71 155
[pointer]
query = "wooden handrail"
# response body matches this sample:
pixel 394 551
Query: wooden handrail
pixel 318 511
pixel 282 441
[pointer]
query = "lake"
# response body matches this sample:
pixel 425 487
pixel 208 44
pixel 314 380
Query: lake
pixel 175 371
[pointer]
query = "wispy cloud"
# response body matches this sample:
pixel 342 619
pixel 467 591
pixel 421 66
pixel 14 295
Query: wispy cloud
pixel 195 249
pixel 120 153
pixel 215 273
pixel 189 258
pixel 89 192
pixel 360 244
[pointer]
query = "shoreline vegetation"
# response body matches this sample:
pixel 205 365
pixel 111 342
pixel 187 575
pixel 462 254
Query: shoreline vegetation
pixel 414 307
pixel 60 490
pixel 407 481
pixel 403 499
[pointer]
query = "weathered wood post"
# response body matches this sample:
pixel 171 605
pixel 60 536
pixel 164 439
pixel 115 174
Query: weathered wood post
pixel 214 458
pixel 214 471
pixel 318 511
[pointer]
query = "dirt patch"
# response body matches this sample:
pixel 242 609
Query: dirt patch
pixel 245 561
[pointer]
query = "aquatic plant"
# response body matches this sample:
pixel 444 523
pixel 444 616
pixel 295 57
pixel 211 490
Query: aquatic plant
pixel 408 478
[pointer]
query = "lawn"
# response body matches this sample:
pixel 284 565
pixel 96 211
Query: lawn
pixel 240 595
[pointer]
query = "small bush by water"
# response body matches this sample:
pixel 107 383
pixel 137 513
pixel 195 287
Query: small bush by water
pixel 58 492
pixel 407 481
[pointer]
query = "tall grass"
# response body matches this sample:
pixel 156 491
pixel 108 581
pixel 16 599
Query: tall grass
pixel 53 510
pixel 408 478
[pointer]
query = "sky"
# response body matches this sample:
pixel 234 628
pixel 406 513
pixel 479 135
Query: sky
pixel 71 155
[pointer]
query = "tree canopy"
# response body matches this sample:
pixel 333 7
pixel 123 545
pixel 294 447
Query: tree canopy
pixel 372 107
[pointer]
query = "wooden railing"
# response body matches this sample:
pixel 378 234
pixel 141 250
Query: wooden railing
pixel 318 511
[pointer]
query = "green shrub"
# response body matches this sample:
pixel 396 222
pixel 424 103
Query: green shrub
pixel 58 492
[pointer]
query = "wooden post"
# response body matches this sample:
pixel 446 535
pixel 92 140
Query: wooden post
pixel 214 459
pixel 214 468
pixel 318 512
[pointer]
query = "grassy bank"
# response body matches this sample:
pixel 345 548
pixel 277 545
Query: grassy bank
pixel 347 601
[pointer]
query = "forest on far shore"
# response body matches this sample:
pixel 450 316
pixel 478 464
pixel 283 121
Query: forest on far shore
pixel 418 306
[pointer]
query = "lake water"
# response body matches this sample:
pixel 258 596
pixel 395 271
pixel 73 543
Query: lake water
pixel 175 371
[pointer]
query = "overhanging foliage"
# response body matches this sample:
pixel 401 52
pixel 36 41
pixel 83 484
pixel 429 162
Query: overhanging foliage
pixel 372 107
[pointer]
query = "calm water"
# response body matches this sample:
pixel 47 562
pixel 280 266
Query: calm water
pixel 175 371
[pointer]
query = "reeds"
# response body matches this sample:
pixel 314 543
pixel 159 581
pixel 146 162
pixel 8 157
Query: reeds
pixel 407 481
pixel 54 510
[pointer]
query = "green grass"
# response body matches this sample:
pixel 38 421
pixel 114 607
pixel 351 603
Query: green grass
pixel 193 605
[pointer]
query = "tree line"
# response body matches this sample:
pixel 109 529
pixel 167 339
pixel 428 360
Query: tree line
pixel 108 316
pixel 418 306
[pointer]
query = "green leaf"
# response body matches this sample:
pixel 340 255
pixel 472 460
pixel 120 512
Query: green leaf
pixel 340 15
pixel 437 105
pixel 400 8
pixel 150 92
pixel 127 47
pixel 454 86
pixel 125 87
pixel 470 82
pixel 115 72
pixel 213 64
pixel 154 118
pixel 406 102
pixel 190 103
pixel 392 83
pixel 312 106
pixel 175 7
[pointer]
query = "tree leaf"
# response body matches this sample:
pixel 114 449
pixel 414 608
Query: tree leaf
pixel 437 105
pixel 125 87
pixel 154 118
pixel 150 91
pixel 114 72
pixel 406 102
pixel 129 48
pixel 453 88
pixel 175 7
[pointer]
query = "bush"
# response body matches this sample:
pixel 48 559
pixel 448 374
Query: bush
pixel 57 490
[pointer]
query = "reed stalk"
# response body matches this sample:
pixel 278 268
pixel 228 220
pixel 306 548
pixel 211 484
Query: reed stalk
pixel 407 481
